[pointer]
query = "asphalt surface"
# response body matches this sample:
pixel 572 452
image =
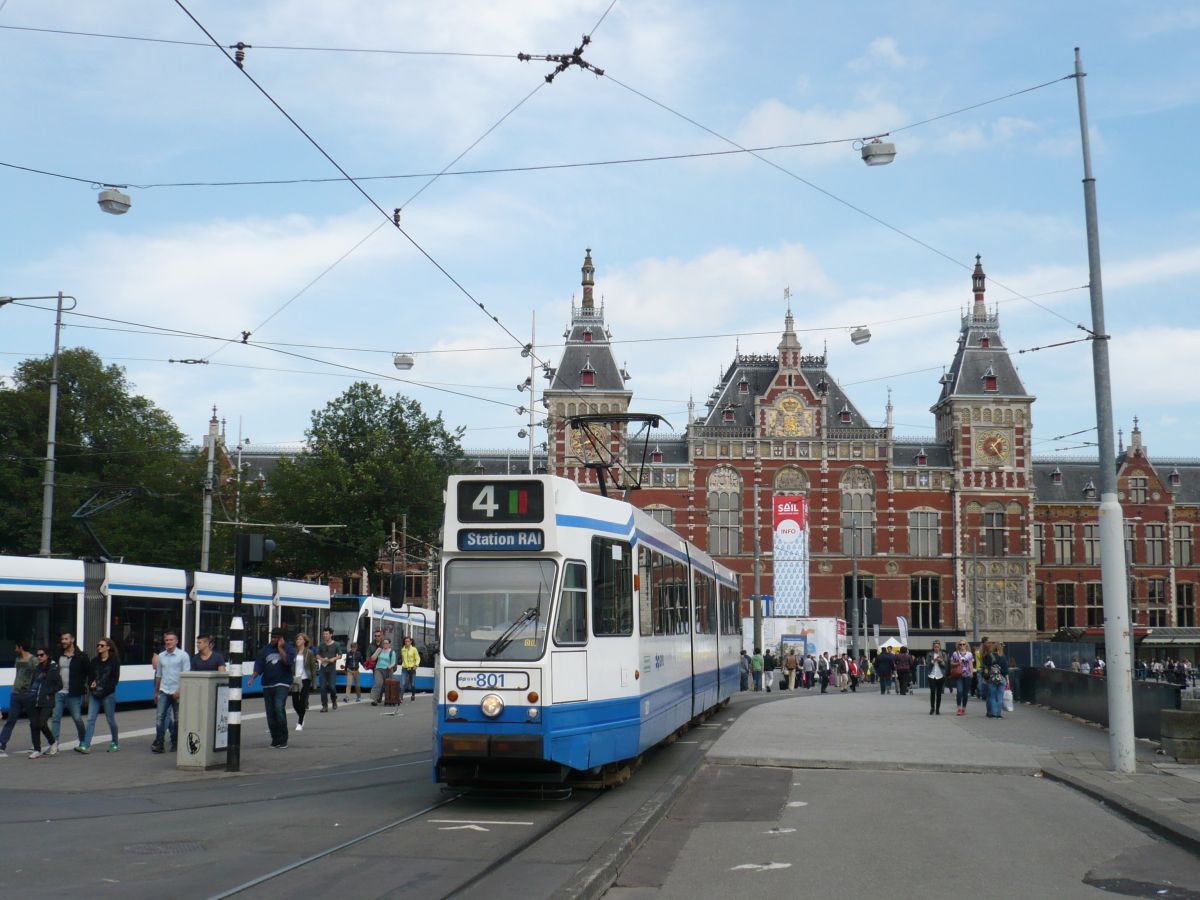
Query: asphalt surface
pixel 854 795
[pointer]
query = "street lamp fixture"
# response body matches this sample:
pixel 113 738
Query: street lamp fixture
pixel 114 201
pixel 860 335
pixel 403 361
pixel 877 153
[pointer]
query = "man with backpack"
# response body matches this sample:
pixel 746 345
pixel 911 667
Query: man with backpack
pixel 791 668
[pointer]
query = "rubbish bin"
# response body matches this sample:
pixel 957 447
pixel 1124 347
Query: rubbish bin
pixel 203 720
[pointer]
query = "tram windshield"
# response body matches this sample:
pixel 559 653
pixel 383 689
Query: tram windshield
pixel 497 609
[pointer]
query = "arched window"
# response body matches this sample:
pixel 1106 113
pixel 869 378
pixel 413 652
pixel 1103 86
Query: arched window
pixel 858 512
pixel 791 480
pixel 724 512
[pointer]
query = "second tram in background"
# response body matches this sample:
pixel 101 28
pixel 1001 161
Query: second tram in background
pixel 577 632
pixel 355 619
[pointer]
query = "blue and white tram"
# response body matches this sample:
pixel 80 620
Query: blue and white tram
pixel 356 618
pixel 38 598
pixel 576 632
pixel 134 605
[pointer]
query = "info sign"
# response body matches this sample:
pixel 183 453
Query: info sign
pixel 791 556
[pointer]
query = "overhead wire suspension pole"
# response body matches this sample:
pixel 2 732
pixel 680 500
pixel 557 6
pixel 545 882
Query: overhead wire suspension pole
pixel 1112 549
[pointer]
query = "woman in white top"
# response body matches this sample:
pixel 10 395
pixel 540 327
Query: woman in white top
pixel 962 661
pixel 303 676
pixel 939 667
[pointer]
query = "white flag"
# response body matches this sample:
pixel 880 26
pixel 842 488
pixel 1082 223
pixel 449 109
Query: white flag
pixel 902 624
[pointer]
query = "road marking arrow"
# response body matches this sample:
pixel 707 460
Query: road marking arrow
pixel 464 828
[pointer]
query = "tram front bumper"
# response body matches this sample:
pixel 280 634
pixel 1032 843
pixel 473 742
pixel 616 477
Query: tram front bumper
pixel 492 746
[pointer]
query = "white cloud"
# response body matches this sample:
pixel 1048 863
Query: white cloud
pixel 775 122
pixel 883 52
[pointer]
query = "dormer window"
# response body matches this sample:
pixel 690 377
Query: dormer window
pixel 1089 489
pixel 1056 476
pixel 728 415
pixel 743 386
pixel 922 459
pixel 656 455
pixel 989 380
pixel 844 415
pixel 587 378
pixel 1174 478
pixel 985 342
pixel 587 335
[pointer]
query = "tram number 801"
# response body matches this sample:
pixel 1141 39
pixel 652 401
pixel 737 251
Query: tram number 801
pixel 483 681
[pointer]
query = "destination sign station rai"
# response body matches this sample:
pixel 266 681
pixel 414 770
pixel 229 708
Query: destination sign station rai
pixel 501 539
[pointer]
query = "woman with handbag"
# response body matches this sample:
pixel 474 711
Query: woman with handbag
pixel 939 667
pixel 995 674
pixel 385 662
pixel 304 674
pixel 962 663
pixel 106 674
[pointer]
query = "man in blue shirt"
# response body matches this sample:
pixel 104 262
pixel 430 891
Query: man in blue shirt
pixel 274 664
pixel 169 666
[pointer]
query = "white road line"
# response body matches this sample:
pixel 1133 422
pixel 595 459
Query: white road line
pixel 687 742
pixel 474 822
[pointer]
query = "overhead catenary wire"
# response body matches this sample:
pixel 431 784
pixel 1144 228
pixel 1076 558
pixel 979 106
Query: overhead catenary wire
pixel 737 150
pixel 858 209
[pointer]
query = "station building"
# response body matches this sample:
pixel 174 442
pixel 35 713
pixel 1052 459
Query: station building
pixel 968 527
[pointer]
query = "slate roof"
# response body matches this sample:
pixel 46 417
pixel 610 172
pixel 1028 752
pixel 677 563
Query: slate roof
pixel 674 449
pixel 1077 473
pixel 937 456
pixel 758 371
pixel 596 354
pixel 972 362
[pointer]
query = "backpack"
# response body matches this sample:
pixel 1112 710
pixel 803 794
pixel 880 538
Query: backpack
pixel 995 676
pixel 790 664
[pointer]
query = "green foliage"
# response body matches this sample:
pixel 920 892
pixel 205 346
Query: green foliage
pixel 109 439
pixel 371 458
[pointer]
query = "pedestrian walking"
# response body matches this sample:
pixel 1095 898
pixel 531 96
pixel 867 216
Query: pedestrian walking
pixel 939 668
pixel 791 668
pixel 274 664
pixel 21 700
pixel 823 670
pixel 995 668
pixel 769 666
pixel 74 669
pixel 353 664
pixel 327 657
pixel 756 668
pixel 841 667
pixel 410 658
pixel 304 670
pixel 904 669
pixel 854 675
pixel 206 659
pixel 962 673
pixel 169 666
pixel 44 688
pixel 885 666
pixel 106 675
pixel 810 671
pixel 385 664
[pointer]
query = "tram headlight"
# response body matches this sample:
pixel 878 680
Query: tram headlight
pixel 491 705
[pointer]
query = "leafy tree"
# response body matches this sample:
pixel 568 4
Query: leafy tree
pixel 370 459
pixel 108 440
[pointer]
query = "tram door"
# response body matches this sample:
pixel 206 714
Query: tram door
pixel 568 658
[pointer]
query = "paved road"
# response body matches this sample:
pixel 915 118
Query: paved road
pixel 851 795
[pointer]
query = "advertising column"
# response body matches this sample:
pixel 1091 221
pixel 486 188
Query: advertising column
pixel 791 556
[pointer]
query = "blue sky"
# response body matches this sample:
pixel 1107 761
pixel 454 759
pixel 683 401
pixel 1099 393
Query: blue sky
pixel 682 248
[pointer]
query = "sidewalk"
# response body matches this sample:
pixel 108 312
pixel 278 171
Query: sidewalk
pixel 870 731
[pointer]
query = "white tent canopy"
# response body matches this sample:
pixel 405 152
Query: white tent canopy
pixel 890 644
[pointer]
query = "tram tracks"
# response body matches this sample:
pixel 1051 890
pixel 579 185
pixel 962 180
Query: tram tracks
pixel 574 804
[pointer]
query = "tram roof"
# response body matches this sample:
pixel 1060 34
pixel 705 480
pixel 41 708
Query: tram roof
pixel 39 575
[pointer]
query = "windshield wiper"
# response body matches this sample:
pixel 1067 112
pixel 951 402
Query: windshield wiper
pixel 499 645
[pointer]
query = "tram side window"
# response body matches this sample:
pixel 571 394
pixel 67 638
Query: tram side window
pixel 731 622
pixel 646 590
pixel 572 608
pixel 138 624
pixel 37 618
pixel 302 620
pixel 701 587
pixel 612 587
pixel 681 612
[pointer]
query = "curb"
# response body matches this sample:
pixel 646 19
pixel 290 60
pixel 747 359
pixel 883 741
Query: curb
pixel 600 872
pixel 872 766
pixel 1180 834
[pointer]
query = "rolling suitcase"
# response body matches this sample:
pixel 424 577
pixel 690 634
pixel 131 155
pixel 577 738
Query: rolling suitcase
pixel 391 692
